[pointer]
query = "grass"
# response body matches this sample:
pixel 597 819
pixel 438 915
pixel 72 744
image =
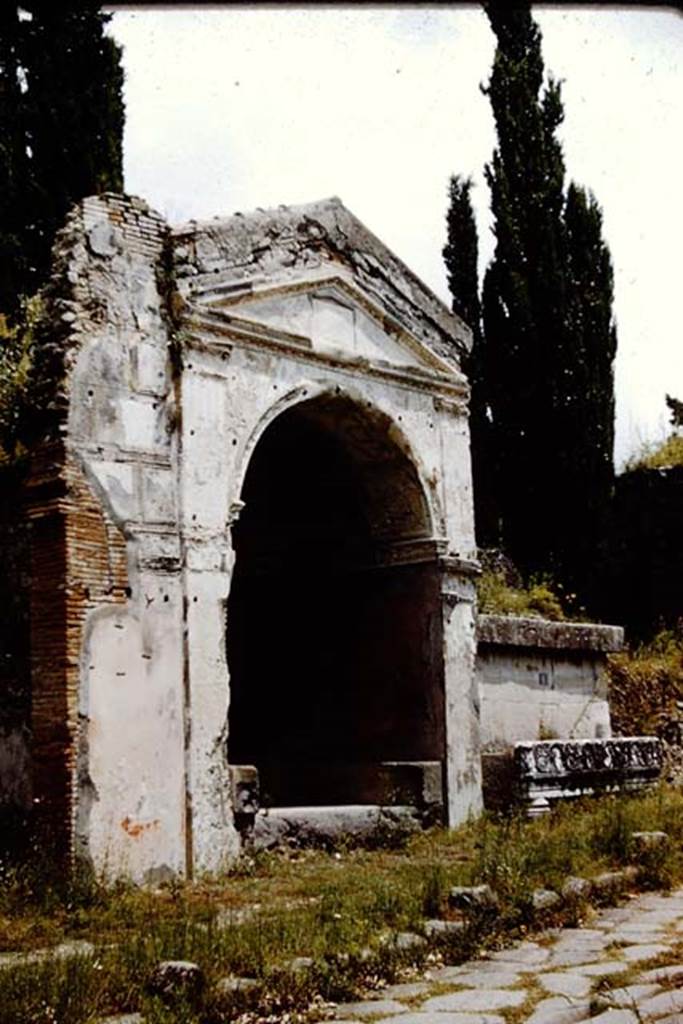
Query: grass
pixel 341 908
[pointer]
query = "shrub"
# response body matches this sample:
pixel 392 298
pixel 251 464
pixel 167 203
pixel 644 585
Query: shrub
pixel 646 683
pixel 496 596
pixel 660 455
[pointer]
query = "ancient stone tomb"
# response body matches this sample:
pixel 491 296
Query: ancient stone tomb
pixel 251 533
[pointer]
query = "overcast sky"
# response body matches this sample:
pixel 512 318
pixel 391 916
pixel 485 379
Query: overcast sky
pixel 232 108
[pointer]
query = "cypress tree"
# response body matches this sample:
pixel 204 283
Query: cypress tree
pixel 61 127
pixel 550 340
pixel 586 417
pixel 74 116
pixel 461 258
pixel 14 168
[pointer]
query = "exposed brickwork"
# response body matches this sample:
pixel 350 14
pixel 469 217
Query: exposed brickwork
pixel 140 226
pixel 78 563
pixel 78 555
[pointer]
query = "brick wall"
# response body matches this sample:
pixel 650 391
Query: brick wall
pixel 78 563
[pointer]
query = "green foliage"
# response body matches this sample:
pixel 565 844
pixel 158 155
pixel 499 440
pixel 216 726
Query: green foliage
pixel 496 596
pixel 664 455
pixel 646 683
pixel 16 357
pixel 548 344
pixel 61 123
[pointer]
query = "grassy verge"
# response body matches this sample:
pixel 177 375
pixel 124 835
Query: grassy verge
pixel 342 909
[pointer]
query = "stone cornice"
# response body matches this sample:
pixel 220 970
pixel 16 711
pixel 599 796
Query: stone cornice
pixel 513 631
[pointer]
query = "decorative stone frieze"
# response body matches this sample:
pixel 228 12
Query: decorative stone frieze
pixel 559 769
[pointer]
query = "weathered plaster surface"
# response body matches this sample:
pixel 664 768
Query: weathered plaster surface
pixel 540 679
pixel 165 358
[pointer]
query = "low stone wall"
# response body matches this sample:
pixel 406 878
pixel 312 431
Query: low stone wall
pixel 542 680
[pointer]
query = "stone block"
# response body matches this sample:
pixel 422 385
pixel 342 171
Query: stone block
pixel 408 940
pixel 576 889
pixel 545 900
pixel 436 927
pixel 232 984
pixel 173 979
pixel 244 794
pixel 473 898
pixel 643 842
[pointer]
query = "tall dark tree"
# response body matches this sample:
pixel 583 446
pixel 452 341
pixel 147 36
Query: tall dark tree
pixel 586 416
pixel 460 255
pixel 61 111
pixel 14 167
pixel 546 301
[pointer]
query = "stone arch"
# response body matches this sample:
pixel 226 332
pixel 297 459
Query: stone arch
pixel 334 616
pixel 312 392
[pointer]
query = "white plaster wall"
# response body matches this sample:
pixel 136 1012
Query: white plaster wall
pixel 463 737
pixel 130 778
pixel 528 696
pixel 463 744
pixel 230 396
pixel 154 700
pixel 133 706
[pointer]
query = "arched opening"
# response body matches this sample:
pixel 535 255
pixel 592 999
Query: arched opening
pixel 334 617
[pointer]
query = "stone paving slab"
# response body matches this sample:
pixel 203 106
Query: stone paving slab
pixel 601 969
pixel 488 979
pixel 368 1008
pixel 635 953
pixel 524 953
pixel 477 1000
pixel 558 1010
pixel 574 986
pixel 454 974
pixel 572 958
pixel 406 990
pixel 673 972
pixel 445 1018
pixel 665 1002
pixel 628 996
pixel 615 1017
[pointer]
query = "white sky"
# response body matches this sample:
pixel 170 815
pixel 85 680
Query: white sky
pixel 232 108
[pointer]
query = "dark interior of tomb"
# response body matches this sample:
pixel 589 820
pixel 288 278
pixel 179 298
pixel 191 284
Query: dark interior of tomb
pixel 334 657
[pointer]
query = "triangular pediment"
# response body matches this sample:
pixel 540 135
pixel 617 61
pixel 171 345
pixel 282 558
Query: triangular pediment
pixel 336 317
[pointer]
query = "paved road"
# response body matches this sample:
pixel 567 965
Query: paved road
pixel 559 979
